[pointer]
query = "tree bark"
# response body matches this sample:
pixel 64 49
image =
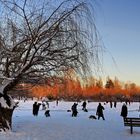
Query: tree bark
pixel 7 106
pixel 6 119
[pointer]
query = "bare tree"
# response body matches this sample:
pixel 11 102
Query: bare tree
pixel 42 39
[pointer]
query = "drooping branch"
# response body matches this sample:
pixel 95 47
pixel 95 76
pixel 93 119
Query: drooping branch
pixel 45 42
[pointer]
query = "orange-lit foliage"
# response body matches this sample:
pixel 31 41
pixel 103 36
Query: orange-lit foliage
pixel 72 88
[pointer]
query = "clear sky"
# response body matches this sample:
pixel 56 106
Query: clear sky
pixel 118 22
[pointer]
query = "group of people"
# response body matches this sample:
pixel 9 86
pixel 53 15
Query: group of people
pixel 100 108
pixel 111 104
pixel 99 111
pixel 36 108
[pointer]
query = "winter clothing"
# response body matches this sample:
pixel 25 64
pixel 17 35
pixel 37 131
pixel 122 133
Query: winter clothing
pixel 124 111
pixel 99 112
pixel 74 110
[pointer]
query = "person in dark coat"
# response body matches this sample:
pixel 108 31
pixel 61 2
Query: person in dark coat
pixel 99 112
pixel 34 108
pixel 47 113
pixel 110 104
pixel 124 111
pixel 74 110
pixel 37 108
pixel 84 105
pixel 115 104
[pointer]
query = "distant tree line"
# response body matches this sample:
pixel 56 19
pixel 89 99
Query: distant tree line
pixel 73 88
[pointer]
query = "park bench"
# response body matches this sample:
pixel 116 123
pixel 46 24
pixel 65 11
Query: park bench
pixel 132 122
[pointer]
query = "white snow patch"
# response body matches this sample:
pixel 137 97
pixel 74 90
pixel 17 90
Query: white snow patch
pixel 3 103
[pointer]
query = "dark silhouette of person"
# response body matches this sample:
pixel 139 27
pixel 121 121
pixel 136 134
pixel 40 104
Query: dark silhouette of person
pixel 37 108
pixel 126 102
pixel 110 104
pixel 34 108
pixel 74 110
pixel 56 102
pixel 124 111
pixel 115 104
pixel 47 113
pixel 84 105
pixel 99 111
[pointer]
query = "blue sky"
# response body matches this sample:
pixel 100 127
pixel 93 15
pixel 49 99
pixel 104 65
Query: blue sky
pixel 118 22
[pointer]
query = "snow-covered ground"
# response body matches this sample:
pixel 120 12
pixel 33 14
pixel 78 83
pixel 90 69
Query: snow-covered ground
pixel 61 126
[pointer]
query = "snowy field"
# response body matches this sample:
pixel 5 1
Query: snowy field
pixel 61 126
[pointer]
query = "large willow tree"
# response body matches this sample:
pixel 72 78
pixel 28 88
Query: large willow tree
pixel 40 39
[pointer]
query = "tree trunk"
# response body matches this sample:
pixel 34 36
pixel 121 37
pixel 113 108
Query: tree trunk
pixel 5 119
pixel 7 106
